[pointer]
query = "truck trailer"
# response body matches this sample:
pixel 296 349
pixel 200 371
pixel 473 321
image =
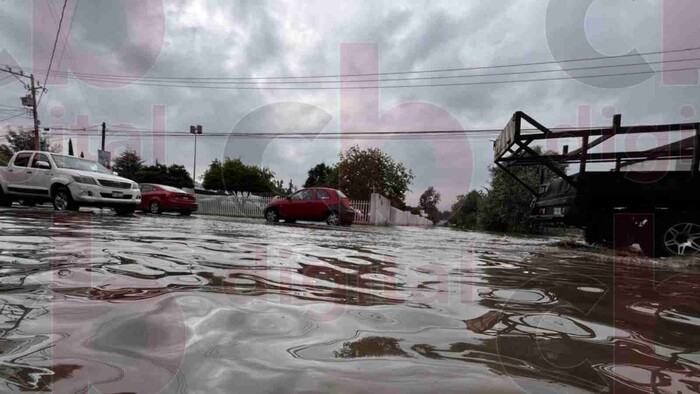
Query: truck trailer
pixel 620 193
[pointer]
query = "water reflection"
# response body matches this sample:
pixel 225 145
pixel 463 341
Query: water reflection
pixel 151 304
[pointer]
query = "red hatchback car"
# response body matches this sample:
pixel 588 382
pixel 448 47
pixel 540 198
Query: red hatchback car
pixel 157 199
pixel 316 204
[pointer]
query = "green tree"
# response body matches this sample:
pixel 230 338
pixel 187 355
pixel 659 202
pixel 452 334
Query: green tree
pixel 128 164
pixel 465 210
pixel 157 173
pixel 213 177
pixel 22 139
pixel 178 176
pixel 322 175
pixel 174 175
pixel 428 202
pixel 291 188
pixel 362 172
pixel 237 177
pixel 506 205
pixel 5 155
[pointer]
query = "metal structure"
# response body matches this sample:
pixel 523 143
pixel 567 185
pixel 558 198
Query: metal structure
pixel 513 147
pixel 196 130
pixel 665 203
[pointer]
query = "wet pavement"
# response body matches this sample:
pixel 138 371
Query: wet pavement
pixel 152 304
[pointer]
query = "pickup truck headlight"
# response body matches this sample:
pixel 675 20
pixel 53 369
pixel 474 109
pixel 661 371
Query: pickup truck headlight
pixel 134 185
pixel 84 179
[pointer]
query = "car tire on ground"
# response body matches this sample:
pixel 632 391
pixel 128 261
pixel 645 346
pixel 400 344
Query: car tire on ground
pixel 62 200
pixel 272 216
pixel 123 211
pixel 5 201
pixel 186 213
pixel 154 208
pixel 333 219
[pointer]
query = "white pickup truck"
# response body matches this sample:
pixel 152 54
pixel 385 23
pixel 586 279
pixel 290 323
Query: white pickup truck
pixel 66 181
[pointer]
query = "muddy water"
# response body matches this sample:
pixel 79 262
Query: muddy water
pixel 168 304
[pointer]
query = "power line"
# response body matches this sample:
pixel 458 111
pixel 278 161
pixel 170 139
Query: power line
pixel 65 43
pixel 12 117
pixel 420 78
pixel 12 111
pixel 539 63
pixel 482 132
pixel 10 108
pixel 214 87
pixel 350 133
pixel 53 51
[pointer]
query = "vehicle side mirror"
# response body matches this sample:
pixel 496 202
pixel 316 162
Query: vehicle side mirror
pixel 43 164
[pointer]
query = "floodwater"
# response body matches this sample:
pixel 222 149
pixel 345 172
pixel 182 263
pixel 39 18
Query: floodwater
pixel 97 303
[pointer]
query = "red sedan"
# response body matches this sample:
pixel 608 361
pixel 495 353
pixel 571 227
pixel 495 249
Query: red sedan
pixel 316 204
pixel 157 199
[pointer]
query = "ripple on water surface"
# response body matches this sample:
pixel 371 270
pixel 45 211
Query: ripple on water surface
pixel 166 304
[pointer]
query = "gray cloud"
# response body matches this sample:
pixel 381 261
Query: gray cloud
pixel 259 38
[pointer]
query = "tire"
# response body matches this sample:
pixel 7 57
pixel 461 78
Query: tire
pixel 5 201
pixel 677 235
pixel 62 200
pixel 185 213
pixel 124 211
pixel 272 216
pixel 333 219
pixel 155 208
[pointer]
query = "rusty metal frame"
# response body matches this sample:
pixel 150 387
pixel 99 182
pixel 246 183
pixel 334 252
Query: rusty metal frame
pixel 523 155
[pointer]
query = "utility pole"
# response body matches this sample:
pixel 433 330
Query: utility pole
pixel 104 131
pixel 37 145
pixel 30 100
pixel 196 130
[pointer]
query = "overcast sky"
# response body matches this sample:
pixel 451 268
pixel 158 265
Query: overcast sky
pixel 233 38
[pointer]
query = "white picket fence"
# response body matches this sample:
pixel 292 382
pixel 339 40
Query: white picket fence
pixel 253 207
pixel 236 206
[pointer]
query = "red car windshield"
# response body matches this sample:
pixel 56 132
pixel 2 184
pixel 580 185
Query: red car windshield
pixel 340 194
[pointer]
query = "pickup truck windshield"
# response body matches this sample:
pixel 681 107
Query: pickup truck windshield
pixel 74 163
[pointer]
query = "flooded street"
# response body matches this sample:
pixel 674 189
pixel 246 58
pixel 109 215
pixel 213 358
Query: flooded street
pixel 169 304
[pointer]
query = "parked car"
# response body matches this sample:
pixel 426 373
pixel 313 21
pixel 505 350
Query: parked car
pixel 66 181
pixel 157 199
pixel 317 204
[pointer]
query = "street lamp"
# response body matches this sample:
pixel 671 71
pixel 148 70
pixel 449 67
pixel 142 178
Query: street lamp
pixel 196 130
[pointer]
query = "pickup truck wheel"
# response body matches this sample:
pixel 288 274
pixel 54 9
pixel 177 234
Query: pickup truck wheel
pixel 63 201
pixel 5 201
pixel 678 236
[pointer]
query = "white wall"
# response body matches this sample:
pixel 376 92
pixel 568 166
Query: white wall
pixel 384 214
